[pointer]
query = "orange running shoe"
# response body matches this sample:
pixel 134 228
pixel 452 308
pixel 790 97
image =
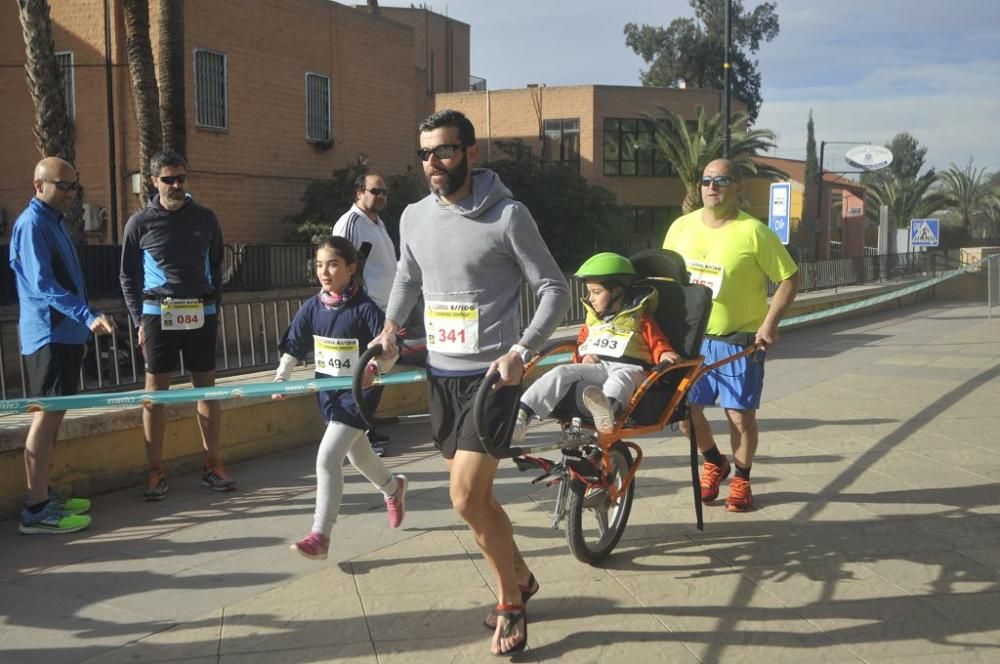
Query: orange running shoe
pixel 711 476
pixel 740 497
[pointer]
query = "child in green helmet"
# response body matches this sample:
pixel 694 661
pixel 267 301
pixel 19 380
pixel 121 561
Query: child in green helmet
pixel 617 344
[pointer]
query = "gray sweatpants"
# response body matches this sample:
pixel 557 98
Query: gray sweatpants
pixel 617 380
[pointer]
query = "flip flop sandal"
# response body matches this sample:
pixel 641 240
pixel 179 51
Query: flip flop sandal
pixel 513 613
pixel 527 592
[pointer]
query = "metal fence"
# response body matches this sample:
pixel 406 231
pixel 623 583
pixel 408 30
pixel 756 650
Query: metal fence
pixel 249 331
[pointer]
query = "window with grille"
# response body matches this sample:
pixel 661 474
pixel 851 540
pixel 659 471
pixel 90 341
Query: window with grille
pixel 317 108
pixel 65 61
pixel 630 148
pixel 561 142
pixel 210 89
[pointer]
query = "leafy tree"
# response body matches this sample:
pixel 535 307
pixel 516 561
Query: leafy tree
pixel 576 219
pixel 692 50
pixel 907 160
pixel 810 223
pixel 323 201
pixel 690 148
pixel 900 186
pixel 967 192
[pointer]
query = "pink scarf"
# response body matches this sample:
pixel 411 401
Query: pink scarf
pixel 334 300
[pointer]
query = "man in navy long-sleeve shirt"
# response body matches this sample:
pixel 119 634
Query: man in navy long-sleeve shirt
pixel 171 276
pixel 54 322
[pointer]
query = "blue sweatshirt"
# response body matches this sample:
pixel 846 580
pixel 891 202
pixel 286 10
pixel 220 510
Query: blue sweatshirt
pixel 358 318
pixel 171 254
pixel 50 286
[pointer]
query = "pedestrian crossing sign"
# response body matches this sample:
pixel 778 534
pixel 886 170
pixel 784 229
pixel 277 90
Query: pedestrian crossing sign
pixel 925 232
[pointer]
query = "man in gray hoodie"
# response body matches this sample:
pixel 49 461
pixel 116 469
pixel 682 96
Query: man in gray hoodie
pixel 468 247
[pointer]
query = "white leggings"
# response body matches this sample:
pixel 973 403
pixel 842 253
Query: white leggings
pixel 339 441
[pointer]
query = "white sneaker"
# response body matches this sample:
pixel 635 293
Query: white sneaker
pixel 600 408
pixel 520 429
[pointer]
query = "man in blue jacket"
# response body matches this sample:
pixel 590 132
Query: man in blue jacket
pixel 54 323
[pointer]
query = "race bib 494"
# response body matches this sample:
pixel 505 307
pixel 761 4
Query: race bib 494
pixel 335 357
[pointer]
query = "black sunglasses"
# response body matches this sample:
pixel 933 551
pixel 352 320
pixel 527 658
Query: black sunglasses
pixel 718 180
pixel 377 191
pixel 445 151
pixel 64 185
pixel 171 179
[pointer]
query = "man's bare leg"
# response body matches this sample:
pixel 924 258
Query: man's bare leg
pixel 743 435
pixel 209 415
pixel 154 421
pixel 471 489
pixel 38 453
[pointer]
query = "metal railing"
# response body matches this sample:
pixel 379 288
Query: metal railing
pixel 249 331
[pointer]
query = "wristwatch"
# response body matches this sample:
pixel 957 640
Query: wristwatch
pixel 525 352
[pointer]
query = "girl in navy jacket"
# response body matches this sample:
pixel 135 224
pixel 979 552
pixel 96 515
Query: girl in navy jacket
pixel 336 325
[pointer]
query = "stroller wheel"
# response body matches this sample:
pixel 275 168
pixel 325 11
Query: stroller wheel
pixel 594 522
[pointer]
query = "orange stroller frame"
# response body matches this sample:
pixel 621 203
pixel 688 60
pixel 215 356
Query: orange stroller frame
pixel 595 479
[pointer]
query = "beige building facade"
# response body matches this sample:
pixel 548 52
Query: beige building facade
pixel 599 129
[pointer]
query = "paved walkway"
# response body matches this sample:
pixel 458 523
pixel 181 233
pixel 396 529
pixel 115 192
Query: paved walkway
pixel 876 539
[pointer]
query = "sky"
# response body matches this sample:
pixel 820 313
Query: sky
pixel 867 69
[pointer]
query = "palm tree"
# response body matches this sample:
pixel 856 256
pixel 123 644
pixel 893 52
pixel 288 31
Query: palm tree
pixel 690 148
pixel 906 198
pixel 966 191
pixel 144 90
pixel 55 133
pixel 171 75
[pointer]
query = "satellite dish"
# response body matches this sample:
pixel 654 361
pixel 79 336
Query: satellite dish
pixel 868 157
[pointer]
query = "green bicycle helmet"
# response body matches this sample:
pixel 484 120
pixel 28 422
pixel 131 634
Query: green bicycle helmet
pixel 607 266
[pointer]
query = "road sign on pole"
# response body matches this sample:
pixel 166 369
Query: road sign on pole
pixel 925 232
pixel 779 217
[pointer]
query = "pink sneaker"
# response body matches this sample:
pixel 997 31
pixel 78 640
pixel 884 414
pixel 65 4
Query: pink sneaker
pixel 313 546
pixel 396 503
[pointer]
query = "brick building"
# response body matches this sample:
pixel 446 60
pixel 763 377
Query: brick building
pixel 598 129
pixel 277 94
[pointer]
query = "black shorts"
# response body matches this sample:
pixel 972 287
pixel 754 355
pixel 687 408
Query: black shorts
pixel 53 370
pixel 452 423
pixel 162 349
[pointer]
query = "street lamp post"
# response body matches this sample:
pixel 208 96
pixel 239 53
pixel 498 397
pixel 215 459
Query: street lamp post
pixel 727 68
pixel 819 187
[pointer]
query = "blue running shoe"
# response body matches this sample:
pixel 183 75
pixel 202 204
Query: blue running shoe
pixel 52 520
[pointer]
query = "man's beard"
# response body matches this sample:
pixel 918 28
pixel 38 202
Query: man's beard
pixel 455 178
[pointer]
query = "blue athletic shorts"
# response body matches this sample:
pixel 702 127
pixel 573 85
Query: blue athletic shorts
pixel 737 385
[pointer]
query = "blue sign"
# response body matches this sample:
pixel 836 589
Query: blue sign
pixel 779 217
pixel 925 232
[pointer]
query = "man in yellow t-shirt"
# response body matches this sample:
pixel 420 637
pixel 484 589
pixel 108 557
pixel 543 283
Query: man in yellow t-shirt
pixel 733 254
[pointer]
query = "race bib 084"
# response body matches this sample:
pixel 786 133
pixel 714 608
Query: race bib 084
pixel 178 314
pixel 335 357
pixel 452 327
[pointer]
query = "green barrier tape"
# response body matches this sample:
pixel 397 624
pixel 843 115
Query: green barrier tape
pixel 130 399
pixel 879 299
pixel 139 398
